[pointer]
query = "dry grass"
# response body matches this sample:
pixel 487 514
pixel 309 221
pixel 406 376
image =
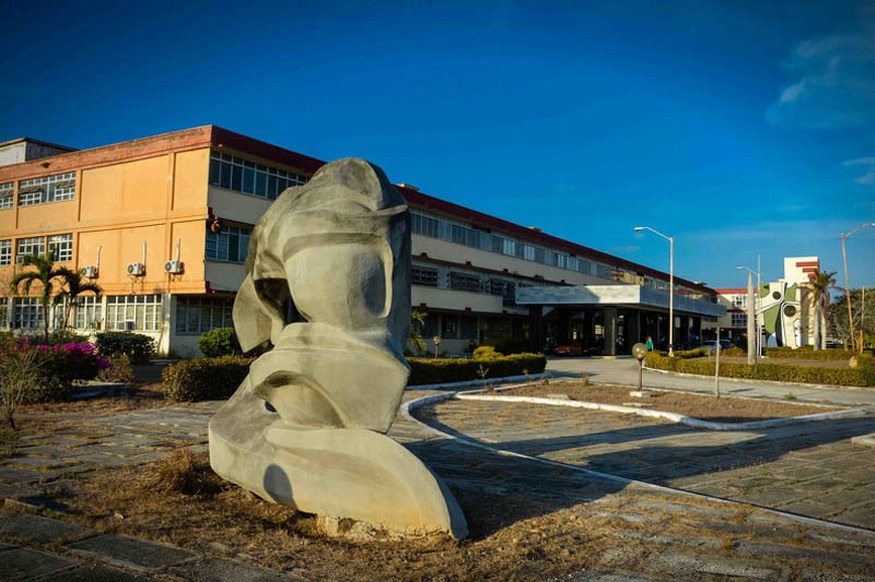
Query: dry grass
pixel 701 406
pixel 513 537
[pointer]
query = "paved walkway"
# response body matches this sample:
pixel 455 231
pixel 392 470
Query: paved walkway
pixel 624 370
pixel 670 535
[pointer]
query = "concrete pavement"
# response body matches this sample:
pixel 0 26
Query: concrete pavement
pixel 624 370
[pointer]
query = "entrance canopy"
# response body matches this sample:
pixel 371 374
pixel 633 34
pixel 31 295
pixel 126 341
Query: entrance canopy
pixel 617 296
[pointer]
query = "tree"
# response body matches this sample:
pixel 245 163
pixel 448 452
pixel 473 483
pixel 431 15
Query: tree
pixel 76 285
pixel 820 283
pixel 838 317
pixel 46 273
pixel 417 323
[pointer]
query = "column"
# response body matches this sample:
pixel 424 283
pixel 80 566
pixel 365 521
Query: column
pixel 610 331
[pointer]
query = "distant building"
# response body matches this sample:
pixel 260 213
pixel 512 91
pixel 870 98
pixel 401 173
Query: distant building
pixel 163 224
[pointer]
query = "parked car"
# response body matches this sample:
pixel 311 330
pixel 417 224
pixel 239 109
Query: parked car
pixel 569 350
pixel 724 344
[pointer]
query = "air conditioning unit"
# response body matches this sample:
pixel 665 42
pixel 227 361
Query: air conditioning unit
pixel 136 269
pixel 174 267
pixel 19 259
pixel 89 272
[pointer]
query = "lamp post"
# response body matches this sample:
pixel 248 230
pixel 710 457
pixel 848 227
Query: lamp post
pixel 848 285
pixel 670 240
pixel 756 306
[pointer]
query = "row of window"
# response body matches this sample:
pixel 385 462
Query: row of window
pixel 60 245
pixel 39 190
pixel 194 315
pixel 246 177
pixel 430 276
pixel 435 226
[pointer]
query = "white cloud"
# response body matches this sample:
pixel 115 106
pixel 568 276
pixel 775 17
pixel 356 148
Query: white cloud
pixel 833 85
pixel 868 178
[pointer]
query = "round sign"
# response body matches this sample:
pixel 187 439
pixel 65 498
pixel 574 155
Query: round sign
pixel 639 350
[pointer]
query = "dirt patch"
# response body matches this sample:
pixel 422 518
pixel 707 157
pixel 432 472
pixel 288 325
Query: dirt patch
pixel 513 536
pixel 700 406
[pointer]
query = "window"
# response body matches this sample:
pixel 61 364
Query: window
pixel 425 225
pixel 529 252
pixel 61 247
pixel 6 195
pixel 196 315
pixel 89 312
pixel 464 282
pixel 247 177
pixel 47 189
pixel 231 244
pixel 27 313
pixel 4 312
pixel 5 252
pixel 31 246
pixel 133 312
pixel 450 326
pixel 468 327
pixel 424 276
pixel 739 320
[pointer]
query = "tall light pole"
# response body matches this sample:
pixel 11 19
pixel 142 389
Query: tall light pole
pixel 756 305
pixel 848 285
pixel 670 240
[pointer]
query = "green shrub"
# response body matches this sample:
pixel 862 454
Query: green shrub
pixel 485 353
pixel 221 341
pixel 864 375
pixel 139 348
pixel 204 378
pixel 440 370
pixel 119 370
pixel 733 352
pixel 808 353
pixel 508 346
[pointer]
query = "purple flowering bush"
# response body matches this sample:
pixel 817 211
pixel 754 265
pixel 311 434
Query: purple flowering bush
pixel 59 366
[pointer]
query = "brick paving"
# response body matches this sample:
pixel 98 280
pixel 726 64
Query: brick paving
pixel 816 464
pixel 811 469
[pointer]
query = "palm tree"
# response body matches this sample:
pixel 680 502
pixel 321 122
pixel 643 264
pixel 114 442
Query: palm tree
pixel 46 272
pixel 820 283
pixel 75 287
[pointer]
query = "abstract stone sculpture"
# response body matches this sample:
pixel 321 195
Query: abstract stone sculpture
pixel 306 427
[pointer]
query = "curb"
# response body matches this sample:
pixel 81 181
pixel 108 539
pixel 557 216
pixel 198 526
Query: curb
pixel 475 383
pixel 754 381
pixel 408 406
pixel 672 416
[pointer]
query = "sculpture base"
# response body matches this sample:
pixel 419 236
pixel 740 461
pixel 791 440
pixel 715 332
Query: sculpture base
pixel 339 472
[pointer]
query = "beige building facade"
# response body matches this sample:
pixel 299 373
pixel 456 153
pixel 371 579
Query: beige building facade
pixel 162 224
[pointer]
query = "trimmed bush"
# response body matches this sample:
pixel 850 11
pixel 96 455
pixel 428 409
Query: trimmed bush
pixel 119 370
pixel 204 378
pixel 485 353
pixel 864 375
pixel 508 346
pixel 808 353
pixel 139 348
pixel 438 370
pixel 221 341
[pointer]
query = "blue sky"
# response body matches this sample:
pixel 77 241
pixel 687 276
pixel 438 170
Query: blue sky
pixel 741 128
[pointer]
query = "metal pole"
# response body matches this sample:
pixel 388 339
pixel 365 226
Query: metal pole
pixel 847 296
pixel 671 296
pixel 862 319
pixel 751 310
pixel 717 367
pixel 759 326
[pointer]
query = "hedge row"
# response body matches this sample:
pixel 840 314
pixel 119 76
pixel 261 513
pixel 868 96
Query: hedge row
pixel 863 375
pixel 809 353
pixel 204 378
pixel 440 370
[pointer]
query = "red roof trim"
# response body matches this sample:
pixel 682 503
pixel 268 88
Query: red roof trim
pixel 226 138
pixel 428 202
pixel 808 264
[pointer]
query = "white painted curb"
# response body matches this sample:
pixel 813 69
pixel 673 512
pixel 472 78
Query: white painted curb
pixel 672 416
pixel 474 383
pixel 408 406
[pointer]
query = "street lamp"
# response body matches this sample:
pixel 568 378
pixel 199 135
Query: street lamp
pixel 670 240
pixel 847 284
pixel 756 306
